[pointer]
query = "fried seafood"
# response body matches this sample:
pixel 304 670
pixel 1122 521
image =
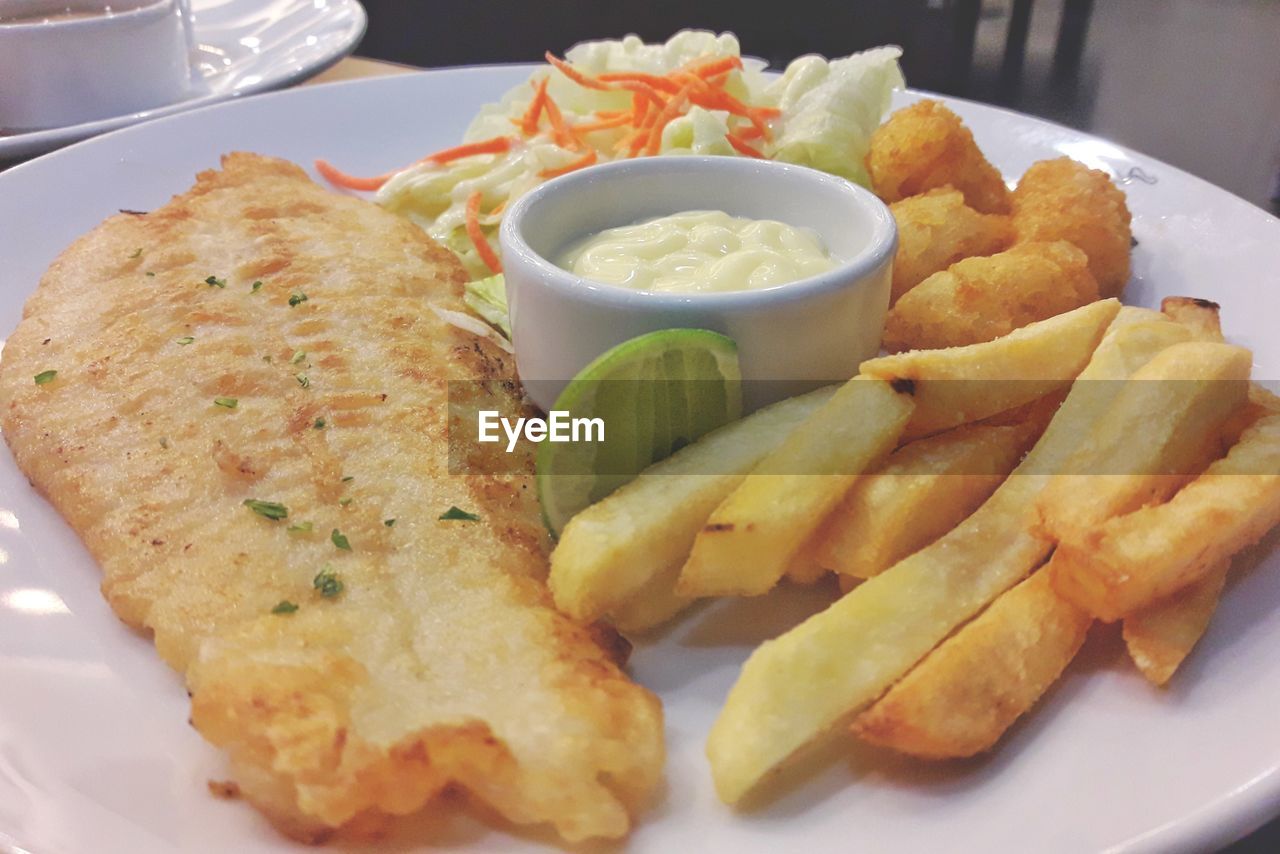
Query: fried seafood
pixel 935 230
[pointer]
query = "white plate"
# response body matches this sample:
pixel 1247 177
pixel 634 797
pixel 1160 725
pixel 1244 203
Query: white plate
pixel 95 753
pixel 242 47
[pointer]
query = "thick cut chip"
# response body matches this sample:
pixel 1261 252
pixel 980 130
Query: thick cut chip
pixel 1065 200
pixel 924 146
pixel 1132 561
pixel 925 489
pixel 642 533
pixel 1158 433
pixel 964 384
pixel 935 230
pixel 1162 635
pixel 805 683
pixel 432 656
pixel 979 299
pixel 748 542
pixel 1200 316
pixel 970 690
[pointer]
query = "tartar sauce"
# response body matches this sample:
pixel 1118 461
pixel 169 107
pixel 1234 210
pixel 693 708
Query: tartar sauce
pixel 697 252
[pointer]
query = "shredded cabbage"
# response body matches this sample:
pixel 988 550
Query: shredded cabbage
pixel 828 112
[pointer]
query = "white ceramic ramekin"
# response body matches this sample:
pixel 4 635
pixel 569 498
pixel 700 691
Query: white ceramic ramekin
pixel 788 336
pixel 118 57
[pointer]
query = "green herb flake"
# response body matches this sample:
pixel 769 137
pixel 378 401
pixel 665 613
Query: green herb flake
pixel 300 528
pixel 344 502
pixel 390 523
pixel 151 274
pixel 295 299
pixel 348 478
pixel 284 606
pixel 303 380
pixel 340 540
pixel 270 509
pixel 328 583
pixel 456 514
pixel 255 287
pixel 137 253
pixel 215 282
pixel 184 341
pixel 226 402
pixel 45 377
pixel 319 424
pixel 298 356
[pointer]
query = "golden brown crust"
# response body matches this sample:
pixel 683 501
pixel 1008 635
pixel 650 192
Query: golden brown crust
pixel 441 661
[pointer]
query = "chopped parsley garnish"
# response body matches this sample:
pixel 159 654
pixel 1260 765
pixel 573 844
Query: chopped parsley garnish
pixel 300 528
pixel 184 341
pixel 344 501
pixel 284 606
pixel 253 289
pixel 348 478
pixel 45 377
pixel 319 424
pixel 456 514
pixel 215 282
pixel 328 583
pixel 294 299
pixel 390 523
pixel 270 509
pixel 340 540
pixel 226 402
pixel 151 274
pixel 137 253
pixel 298 356
pixel 303 380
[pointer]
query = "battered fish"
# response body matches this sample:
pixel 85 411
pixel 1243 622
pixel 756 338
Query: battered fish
pixel 259 339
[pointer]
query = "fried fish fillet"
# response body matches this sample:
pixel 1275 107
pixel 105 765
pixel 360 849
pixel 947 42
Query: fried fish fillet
pixel 184 389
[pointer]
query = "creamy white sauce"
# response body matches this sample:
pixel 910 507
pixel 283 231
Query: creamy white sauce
pixel 698 252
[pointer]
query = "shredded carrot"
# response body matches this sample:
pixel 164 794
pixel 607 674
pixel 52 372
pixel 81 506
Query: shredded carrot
pixel 581 163
pixel 496 145
pixel 574 74
pixel 481 243
pixel 662 84
pixel 766 112
pixel 741 146
pixel 669 112
pixel 640 112
pixel 603 124
pixel 339 178
pixel 716 66
pixel 529 121
pixel 499 208
pixel 749 132
pixel 611 114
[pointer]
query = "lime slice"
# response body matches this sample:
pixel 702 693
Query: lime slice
pixel 655 394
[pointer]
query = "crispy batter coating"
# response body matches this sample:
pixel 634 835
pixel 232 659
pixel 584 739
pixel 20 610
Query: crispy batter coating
pixel 924 146
pixel 935 230
pixel 979 299
pixel 441 661
pixel 1065 200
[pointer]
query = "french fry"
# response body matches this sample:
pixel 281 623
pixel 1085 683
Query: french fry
pixel 959 385
pixel 968 691
pixel 1158 638
pixel 611 550
pixel 924 490
pixel 1161 636
pixel 651 605
pixel 1132 561
pixel 803 684
pixel 1147 443
pixel 748 542
pixel 1200 316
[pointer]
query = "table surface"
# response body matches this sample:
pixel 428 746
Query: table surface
pixel 1266 839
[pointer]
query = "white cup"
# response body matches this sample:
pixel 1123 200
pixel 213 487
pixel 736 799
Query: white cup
pixel 64 62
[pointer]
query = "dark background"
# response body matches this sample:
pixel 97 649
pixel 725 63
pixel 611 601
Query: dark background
pixel 1192 82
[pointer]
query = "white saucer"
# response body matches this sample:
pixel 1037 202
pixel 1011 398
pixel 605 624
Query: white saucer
pixel 242 47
